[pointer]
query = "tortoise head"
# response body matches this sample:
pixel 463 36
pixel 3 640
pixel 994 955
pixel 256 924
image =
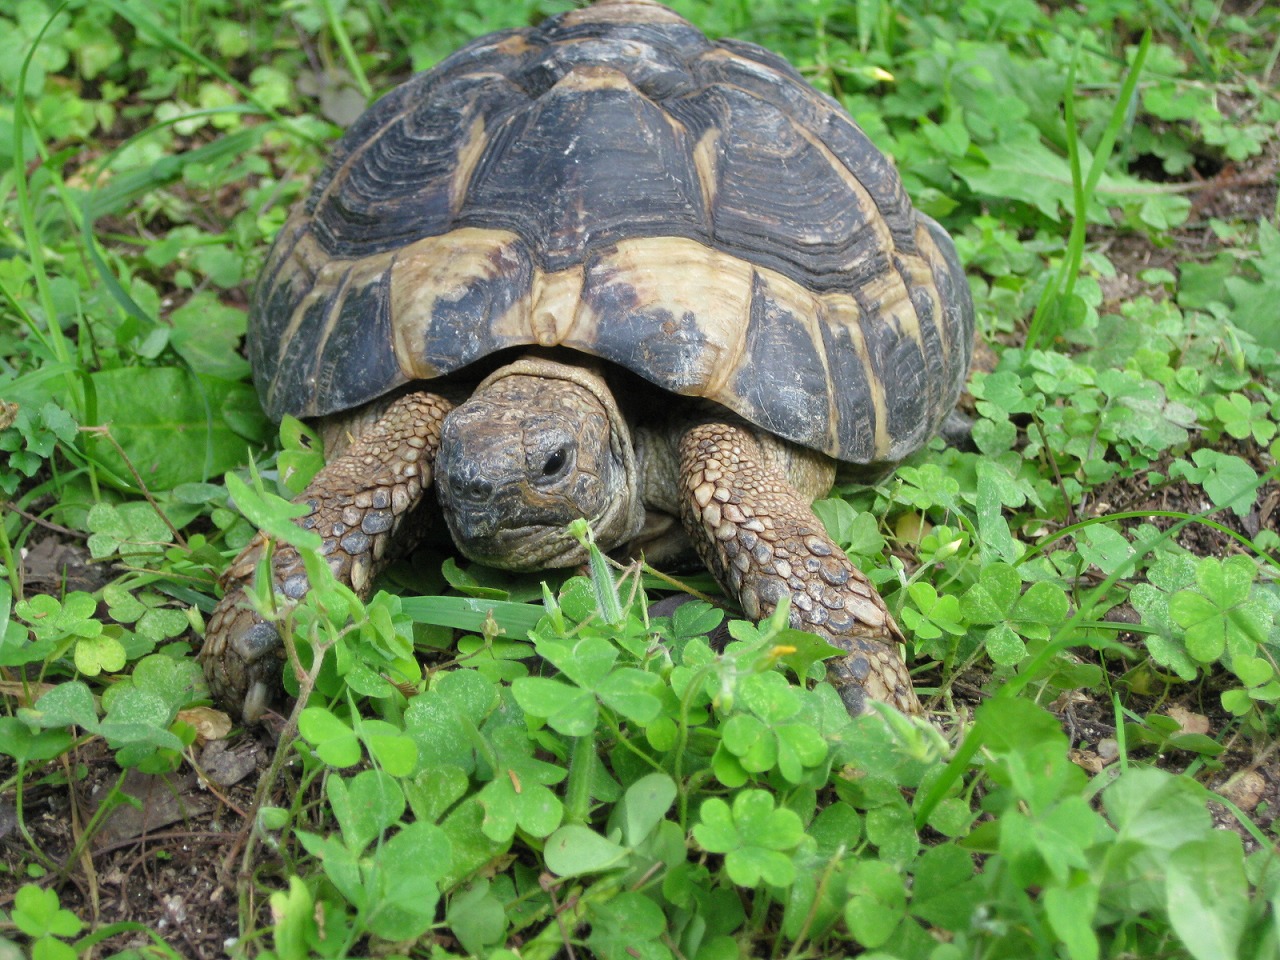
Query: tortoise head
pixel 538 445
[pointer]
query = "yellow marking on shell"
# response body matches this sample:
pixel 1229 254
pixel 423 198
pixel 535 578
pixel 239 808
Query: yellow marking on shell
pixel 705 164
pixel 514 45
pixel 720 302
pixel 622 11
pixel 468 156
pixel 556 307
pixel 440 268
pixel 591 77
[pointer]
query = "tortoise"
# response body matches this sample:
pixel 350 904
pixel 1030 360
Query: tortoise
pixel 604 268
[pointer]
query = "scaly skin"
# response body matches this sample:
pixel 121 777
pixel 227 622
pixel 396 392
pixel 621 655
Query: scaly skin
pixel 763 542
pixel 357 503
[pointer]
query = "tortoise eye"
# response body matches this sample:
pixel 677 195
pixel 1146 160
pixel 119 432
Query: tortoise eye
pixel 555 463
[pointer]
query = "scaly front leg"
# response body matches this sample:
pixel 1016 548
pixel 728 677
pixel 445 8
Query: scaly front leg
pixel 357 503
pixel 763 542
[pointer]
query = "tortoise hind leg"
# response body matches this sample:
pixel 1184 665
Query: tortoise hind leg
pixel 357 503
pixel 762 541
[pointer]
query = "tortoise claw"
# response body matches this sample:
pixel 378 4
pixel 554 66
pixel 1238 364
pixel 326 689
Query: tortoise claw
pixel 243 660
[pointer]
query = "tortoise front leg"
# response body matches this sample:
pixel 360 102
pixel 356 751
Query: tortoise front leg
pixel 762 541
pixel 357 504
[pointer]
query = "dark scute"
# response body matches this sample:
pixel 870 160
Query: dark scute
pixel 278 291
pixel 897 359
pixel 481 55
pixel 779 203
pixel 770 78
pixel 934 354
pixel 782 377
pixel 957 303
pixel 461 330
pixel 650 341
pixel 292 388
pixel 855 408
pixel 397 185
pixel 584 169
pixel 358 363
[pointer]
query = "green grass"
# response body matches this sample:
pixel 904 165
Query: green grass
pixel 568 769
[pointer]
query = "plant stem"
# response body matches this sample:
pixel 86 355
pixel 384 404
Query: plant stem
pixel 577 794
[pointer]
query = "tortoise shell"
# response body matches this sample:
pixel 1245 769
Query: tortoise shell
pixel 612 182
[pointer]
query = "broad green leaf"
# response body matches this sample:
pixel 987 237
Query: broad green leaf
pixel 1071 911
pixel 334 742
pixel 17 741
pixel 207 333
pixel 36 913
pixel 365 806
pixel 633 693
pixel 574 850
pixel 627 927
pixel 570 710
pixel 877 902
pixel 407 868
pixel 172 425
pixel 94 655
pixel 1208 895
pixel 644 805
pixel 477 918
pixel 67 704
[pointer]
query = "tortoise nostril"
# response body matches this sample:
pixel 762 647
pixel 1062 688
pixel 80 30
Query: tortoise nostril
pixel 468 483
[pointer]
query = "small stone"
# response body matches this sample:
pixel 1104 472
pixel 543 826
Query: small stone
pixel 1189 722
pixel 1246 789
